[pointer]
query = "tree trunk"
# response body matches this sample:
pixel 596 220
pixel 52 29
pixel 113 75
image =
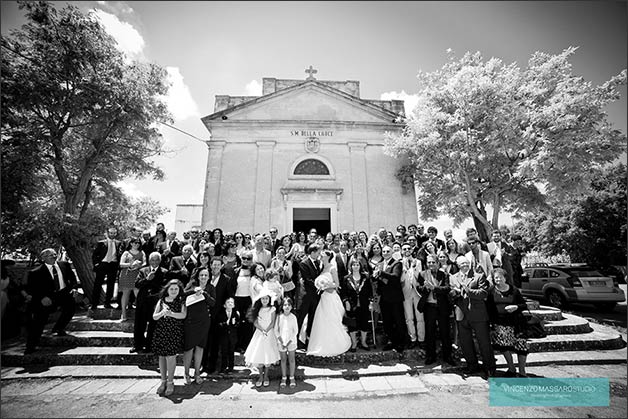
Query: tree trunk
pixel 480 223
pixel 82 261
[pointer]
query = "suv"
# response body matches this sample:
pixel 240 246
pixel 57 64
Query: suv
pixel 565 283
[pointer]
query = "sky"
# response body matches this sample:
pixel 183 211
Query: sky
pixel 226 48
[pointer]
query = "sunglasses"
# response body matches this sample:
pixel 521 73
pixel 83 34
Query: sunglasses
pixel 246 258
pixel 472 243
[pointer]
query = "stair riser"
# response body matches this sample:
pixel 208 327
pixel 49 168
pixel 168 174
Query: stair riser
pixel 112 327
pixel 128 341
pixel 301 359
pixel 550 315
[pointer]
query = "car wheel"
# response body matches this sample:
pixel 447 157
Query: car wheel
pixel 606 306
pixel 556 299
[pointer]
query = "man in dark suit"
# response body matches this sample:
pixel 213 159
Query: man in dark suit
pixel 469 291
pixel 106 261
pixel 169 249
pixel 48 287
pixel 342 259
pixel 433 286
pixel 181 267
pixel 225 288
pixel 310 267
pixel 150 281
pixel 391 300
pixel 432 232
pixel 275 242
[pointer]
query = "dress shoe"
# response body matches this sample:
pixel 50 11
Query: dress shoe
pixel 471 369
pixel 451 361
pixel 510 374
pixel 365 347
pixel 107 305
pixel 353 349
pixel 60 332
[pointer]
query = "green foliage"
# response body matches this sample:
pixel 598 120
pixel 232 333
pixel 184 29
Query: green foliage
pixel 486 133
pixel 74 107
pixel 590 228
pixel 77 117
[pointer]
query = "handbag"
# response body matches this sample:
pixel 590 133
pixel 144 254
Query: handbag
pixel 349 321
pixel 530 326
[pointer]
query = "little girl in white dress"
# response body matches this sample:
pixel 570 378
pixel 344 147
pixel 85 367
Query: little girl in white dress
pixel 262 351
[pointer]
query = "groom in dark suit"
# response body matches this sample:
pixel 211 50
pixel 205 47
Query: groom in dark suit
pixel 310 267
pixel 48 287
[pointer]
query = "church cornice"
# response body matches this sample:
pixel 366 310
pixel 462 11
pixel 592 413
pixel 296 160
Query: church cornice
pixel 365 103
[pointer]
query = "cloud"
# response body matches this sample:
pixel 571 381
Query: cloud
pixel 179 99
pixel 254 88
pixel 127 37
pixel 409 101
pixel 130 189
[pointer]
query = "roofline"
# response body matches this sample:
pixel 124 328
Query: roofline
pixel 318 83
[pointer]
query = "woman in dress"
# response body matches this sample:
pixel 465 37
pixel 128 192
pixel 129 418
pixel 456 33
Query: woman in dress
pixel 505 305
pixel 202 262
pixel 452 250
pixel 298 248
pixel 376 261
pixel 329 336
pixel 284 267
pixel 200 298
pixel 356 292
pixel 230 257
pixel 168 336
pixel 239 239
pixel 218 238
pixel 130 263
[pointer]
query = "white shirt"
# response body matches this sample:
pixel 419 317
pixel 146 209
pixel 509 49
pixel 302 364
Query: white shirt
pixel 56 267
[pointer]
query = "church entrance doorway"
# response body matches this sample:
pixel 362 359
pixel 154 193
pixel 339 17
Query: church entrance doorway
pixel 304 219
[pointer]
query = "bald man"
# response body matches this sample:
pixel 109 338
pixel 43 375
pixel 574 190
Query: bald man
pixel 49 287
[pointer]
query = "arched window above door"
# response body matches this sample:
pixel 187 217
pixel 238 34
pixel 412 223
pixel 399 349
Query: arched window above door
pixel 311 167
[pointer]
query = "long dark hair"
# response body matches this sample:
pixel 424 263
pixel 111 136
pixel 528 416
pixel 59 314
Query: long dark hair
pixel 253 311
pixel 164 290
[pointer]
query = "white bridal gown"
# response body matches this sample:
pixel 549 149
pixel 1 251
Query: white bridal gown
pixel 329 336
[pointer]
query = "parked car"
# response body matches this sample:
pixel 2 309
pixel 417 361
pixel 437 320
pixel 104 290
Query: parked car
pixel 564 283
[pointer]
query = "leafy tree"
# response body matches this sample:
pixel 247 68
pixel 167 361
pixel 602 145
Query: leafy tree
pixel 590 228
pixel 76 118
pixel 489 134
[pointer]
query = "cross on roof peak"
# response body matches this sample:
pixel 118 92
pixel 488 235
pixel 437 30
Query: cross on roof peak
pixel 311 71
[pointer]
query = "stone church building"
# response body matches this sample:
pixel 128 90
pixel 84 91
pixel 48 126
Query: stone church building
pixel 306 153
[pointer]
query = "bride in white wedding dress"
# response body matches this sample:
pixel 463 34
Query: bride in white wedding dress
pixel 329 336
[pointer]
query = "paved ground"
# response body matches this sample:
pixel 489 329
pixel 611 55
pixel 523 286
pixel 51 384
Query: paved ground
pixel 435 394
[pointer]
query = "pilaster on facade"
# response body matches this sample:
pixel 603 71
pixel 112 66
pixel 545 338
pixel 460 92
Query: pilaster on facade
pixel 359 185
pixel 263 184
pixel 212 182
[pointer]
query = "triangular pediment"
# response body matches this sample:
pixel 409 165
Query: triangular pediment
pixel 309 101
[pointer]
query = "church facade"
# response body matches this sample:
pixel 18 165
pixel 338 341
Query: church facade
pixel 306 153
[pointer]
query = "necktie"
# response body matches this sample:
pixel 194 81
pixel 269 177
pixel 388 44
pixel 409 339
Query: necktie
pixel 111 251
pixel 55 278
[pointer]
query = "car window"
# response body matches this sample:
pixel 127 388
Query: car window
pixel 540 273
pixel 585 274
pixel 554 274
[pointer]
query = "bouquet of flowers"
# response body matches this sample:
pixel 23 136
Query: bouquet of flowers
pixel 324 282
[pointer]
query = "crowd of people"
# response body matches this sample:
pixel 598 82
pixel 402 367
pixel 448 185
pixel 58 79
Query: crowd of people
pixel 213 293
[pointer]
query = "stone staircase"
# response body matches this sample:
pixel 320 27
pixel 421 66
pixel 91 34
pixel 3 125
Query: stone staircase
pixel 101 339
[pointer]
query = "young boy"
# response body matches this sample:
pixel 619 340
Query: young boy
pixel 228 320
